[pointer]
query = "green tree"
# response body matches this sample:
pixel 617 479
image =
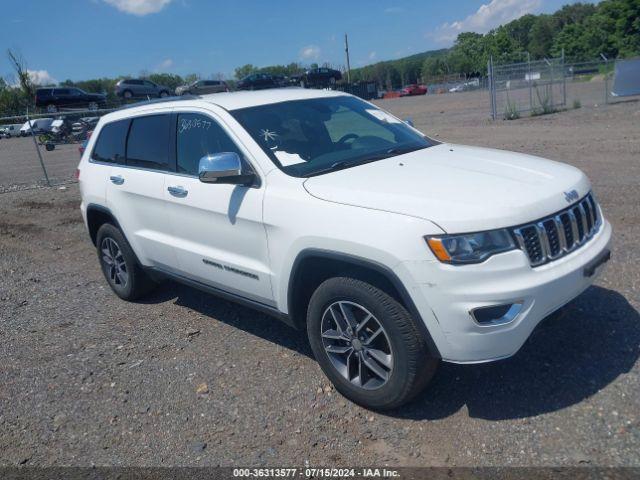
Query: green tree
pixel 243 71
pixel 541 36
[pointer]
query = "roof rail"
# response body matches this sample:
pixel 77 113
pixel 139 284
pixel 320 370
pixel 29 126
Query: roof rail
pixel 159 100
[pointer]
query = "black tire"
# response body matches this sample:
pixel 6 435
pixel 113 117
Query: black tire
pixel 138 283
pixel 412 366
pixel 51 108
pixel 127 94
pixel 163 94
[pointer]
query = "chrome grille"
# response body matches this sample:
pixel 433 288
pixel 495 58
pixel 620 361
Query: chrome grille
pixel 554 236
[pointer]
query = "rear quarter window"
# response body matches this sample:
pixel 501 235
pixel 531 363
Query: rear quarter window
pixel 110 146
pixel 147 145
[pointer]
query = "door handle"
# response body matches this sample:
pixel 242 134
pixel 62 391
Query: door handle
pixel 179 192
pixel 117 179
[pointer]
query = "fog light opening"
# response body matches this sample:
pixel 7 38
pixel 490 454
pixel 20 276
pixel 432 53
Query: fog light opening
pixel 496 314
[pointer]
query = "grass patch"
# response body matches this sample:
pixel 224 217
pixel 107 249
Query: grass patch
pixel 511 111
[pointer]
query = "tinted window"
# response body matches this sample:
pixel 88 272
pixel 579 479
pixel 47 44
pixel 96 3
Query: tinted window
pixel 211 82
pixel 110 144
pixel 197 136
pixel 61 91
pixel 147 146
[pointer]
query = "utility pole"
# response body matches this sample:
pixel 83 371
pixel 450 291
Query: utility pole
pixel 346 49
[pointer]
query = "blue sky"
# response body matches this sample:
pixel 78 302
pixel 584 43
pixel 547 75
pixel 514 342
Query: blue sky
pixel 80 39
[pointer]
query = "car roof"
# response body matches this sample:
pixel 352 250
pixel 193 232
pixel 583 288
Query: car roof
pixel 253 98
pixel 228 100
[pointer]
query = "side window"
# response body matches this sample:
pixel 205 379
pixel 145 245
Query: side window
pixel 110 144
pixel 197 136
pixel 147 145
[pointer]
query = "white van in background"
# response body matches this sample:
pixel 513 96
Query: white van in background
pixel 12 130
pixel 39 125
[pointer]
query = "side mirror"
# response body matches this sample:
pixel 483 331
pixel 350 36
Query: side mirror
pixel 409 122
pixel 225 167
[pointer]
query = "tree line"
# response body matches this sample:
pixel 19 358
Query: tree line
pixel 582 30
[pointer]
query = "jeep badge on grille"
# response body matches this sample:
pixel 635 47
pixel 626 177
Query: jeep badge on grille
pixel 571 196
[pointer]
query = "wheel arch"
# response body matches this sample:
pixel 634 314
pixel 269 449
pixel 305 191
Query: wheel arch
pixel 97 215
pixel 312 266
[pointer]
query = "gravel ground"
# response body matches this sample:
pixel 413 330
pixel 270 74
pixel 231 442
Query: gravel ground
pixel 20 166
pixel 184 378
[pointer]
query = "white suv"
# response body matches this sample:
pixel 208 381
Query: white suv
pixel 391 249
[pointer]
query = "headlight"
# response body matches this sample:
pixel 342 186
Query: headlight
pixel 470 247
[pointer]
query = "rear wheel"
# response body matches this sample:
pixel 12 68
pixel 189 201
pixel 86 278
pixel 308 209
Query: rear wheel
pixel 164 94
pixel 93 105
pixel 127 94
pixel 119 264
pixel 367 344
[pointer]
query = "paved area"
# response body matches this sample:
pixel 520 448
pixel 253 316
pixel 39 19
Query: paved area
pixel 184 378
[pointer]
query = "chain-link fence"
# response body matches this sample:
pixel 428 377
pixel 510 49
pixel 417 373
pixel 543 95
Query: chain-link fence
pixel 43 149
pixel 549 85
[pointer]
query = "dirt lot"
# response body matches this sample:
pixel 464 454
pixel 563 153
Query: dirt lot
pixel 88 379
pixel 20 167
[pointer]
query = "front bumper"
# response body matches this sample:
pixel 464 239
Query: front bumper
pixel 445 294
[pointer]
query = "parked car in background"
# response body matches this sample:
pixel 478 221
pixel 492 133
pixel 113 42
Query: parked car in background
pixel 322 76
pixel 56 98
pixel 38 125
pixel 257 81
pixel 83 125
pixel 411 90
pixel 12 130
pixel 200 87
pixel 137 87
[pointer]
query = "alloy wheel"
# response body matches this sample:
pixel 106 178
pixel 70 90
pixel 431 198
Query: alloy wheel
pixel 114 262
pixel 357 344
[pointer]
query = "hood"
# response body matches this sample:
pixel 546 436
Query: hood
pixel 460 188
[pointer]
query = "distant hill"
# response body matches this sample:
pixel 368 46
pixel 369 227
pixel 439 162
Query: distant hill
pixel 397 72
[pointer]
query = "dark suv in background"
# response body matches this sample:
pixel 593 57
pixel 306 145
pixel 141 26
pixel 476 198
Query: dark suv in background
pixel 56 98
pixel 322 76
pixel 257 81
pixel 136 87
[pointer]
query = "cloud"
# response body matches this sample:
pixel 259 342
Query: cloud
pixel 165 64
pixel 310 52
pixel 372 55
pixel 488 16
pixel 139 7
pixel 394 10
pixel 41 77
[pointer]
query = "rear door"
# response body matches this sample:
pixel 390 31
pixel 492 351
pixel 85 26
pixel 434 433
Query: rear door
pixel 219 238
pixel 135 190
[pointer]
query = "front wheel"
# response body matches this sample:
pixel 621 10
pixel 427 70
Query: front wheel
pixel 93 106
pixel 367 344
pixel 164 94
pixel 119 264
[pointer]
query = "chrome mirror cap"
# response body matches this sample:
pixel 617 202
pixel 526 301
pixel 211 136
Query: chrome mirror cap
pixel 214 168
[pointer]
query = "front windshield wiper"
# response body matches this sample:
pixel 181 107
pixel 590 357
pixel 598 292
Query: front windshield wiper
pixel 342 164
pixel 335 166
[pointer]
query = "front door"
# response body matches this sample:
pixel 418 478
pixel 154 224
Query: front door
pixel 219 237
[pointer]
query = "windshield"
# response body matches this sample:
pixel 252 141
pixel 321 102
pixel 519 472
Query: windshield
pixel 310 137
